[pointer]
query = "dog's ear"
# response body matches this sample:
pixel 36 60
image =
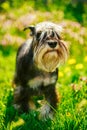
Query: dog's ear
pixel 32 29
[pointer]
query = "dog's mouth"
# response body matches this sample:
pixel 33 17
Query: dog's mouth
pixel 50 51
pixel 50 60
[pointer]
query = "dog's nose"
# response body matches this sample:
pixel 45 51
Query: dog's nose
pixel 52 44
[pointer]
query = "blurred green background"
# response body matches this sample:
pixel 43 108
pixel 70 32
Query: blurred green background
pixel 72 82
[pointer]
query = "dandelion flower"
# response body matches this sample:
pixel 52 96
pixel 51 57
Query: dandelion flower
pixel 79 66
pixel 71 61
pixel 85 58
pixel 68 114
pixel 67 69
pixel 61 74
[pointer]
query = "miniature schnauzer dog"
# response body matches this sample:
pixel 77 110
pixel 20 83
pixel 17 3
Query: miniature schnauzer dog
pixel 37 65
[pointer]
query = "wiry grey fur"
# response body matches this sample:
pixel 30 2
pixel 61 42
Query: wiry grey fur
pixel 37 67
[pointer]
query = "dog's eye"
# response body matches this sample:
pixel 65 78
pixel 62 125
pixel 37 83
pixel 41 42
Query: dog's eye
pixel 38 35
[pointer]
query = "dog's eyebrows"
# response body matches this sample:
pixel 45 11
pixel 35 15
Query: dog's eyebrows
pixel 59 37
pixel 45 34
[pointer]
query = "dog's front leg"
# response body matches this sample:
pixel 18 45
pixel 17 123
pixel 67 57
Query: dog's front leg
pixel 52 98
pixel 21 98
pixel 49 108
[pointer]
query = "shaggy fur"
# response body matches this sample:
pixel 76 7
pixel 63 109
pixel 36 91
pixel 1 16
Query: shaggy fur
pixel 37 65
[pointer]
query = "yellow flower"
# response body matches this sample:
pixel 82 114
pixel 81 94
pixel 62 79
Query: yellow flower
pixel 85 58
pixel 71 61
pixel 61 74
pixel 18 123
pixel 67 69
pixel 68 114
pixel 79 66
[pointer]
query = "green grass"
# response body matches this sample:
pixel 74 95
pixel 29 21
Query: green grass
pixel 72 109
pixel 71 113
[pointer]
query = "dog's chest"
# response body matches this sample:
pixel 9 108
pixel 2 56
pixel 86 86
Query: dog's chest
pixel 42 80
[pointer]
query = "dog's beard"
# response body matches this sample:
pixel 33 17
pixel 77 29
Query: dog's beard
pixel 49 59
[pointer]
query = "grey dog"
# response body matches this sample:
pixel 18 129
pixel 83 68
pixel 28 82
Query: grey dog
pixel 37 65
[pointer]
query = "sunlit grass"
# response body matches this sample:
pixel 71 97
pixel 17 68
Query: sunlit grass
pixel 72 86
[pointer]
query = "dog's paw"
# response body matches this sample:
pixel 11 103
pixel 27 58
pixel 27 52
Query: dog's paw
pixel 45 112
pixel 17 106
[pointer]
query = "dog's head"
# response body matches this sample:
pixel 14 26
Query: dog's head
pixel 49 49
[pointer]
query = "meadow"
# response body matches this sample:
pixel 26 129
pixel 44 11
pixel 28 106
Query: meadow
pixel 71 113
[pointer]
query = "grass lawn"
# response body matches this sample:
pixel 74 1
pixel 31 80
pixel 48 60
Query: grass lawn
pixel 72 83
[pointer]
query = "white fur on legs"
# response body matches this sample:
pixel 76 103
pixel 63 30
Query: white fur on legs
pixel 45 112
